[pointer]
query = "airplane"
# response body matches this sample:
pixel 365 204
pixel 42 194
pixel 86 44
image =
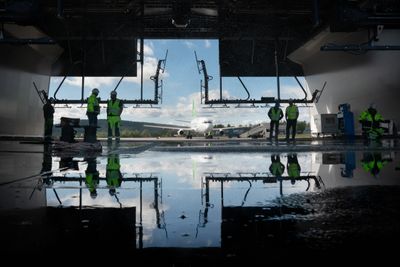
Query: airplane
pixel 203 125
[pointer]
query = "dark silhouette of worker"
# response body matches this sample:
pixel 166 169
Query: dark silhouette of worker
pixel 275 114
pixel 276 168
pixel 48 113
pixel 291 115
pixel 113 173
pixel 370 121
pixel 373 163
pixel 47 163
pixel 92 176
pixel 293 167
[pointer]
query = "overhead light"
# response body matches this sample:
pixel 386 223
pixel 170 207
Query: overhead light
pixel 181 14
pixel 180 23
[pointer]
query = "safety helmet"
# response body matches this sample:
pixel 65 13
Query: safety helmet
pixel 95 91
pixel 290 100
pixel 93 194
pixel 113 93
pixel 112 191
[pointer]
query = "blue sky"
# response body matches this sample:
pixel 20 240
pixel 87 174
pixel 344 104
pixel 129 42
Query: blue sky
pixel 181 87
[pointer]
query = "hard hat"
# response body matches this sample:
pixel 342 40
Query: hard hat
pixel 113 93
pixel 93 194
pixel 95 91
pixel 112 191
pixel 291 100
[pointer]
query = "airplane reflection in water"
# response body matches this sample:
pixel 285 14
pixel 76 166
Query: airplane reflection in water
pixel 182 199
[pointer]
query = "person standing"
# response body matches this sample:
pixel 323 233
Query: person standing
pixel 293 168
pixel 275 114
pixel 370 121
pixel 48 112
pixel 113 173
pixel 114 110
pixel 291 115
pixel 92 177
pixel 93 107
pixel 276 167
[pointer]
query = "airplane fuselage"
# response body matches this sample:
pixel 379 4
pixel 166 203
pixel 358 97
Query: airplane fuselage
pixel 201 125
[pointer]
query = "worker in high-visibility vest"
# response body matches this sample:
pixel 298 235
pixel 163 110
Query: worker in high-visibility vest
pixel 373 163
pixel 48 112
pixel 291 115
pixel 92 177
pixel 370 121
pixel 293 168
pixel 93 107
pixel 113 173
pixel 275 114
pixel 276 168
pixel 114 110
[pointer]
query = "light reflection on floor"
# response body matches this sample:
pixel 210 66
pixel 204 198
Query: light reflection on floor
pixel 183 199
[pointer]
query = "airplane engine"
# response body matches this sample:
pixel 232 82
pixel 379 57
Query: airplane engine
pixel 181 132
pixel 221 132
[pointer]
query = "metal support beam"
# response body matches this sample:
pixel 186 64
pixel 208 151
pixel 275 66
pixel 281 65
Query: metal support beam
pixel 359 48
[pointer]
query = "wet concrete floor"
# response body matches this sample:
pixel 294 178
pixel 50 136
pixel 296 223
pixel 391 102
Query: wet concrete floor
pixel 199 202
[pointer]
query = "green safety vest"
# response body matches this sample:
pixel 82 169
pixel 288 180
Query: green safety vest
pixel 294 170
pixel 91 183
pixel 292 112
pixel 366 116
pixel 113 163
pixel 277 168
pixel 275 114
pixel 113 178
pixel 113 109
pixel 93 104
pixel 112 173
pixel 368 166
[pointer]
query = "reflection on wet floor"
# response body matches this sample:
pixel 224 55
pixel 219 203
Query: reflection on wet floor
pixel 230 203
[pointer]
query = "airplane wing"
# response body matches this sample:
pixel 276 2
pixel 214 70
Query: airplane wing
pixel 165 126
pixel 230 128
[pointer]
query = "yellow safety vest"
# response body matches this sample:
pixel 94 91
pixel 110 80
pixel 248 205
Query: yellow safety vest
pixel 294 170
pixel 366 116
pixel 277 168
pixel 292 112
pixel 113 109
pixel 275 114
pixel 93 104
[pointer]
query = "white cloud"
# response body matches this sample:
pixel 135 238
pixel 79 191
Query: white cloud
pixel 149 69
pixel 189 44
pixel 207 43
pixel 92 82
pixel 148 49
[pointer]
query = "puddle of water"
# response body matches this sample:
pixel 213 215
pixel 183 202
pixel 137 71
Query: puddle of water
pixel 198 200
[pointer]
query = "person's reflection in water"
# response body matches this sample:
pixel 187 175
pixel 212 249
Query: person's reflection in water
pixel 113 173
pixel 92 177
pixel 373 163
pixel 46 168
pixel 293 167
pixel 276 168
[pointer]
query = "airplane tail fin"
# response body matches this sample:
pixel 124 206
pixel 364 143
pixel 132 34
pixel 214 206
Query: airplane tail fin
pixel 194 113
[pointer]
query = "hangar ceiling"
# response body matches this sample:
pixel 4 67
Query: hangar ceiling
pixel 99 37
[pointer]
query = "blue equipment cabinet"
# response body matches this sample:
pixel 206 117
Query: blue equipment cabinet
pixel 345 120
